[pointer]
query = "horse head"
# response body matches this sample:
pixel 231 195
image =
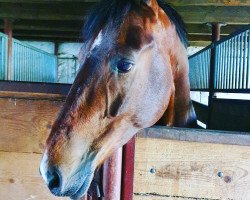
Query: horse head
pixel 134 69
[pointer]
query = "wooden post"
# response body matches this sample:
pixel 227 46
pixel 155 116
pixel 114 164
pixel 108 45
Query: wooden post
pixel 112 169
pixel 215 37
pixel 8 31
pixel 128 170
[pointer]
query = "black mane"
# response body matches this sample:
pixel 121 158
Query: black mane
pixel 107 10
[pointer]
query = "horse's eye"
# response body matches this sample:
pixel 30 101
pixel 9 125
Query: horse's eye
pixel 124 66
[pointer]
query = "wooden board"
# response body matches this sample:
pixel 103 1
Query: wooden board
pixel 189 169
pixel 25 124
pixel 20 178
pixel 153 197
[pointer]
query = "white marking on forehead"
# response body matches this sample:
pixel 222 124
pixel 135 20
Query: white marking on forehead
pixel 97 41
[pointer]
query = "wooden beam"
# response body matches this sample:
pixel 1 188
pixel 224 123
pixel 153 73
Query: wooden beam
pixel 172 2
pixel 77 35
pixel 8 30
pixel 200 29
pixel 199 43
pixel 48 1
pixel 209 3
pixel 196 135
pixel 61 12
pixel 226 14
pixel 69 11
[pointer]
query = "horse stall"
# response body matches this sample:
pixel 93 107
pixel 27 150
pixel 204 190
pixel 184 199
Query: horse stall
pixel 169 163
pixel 159 163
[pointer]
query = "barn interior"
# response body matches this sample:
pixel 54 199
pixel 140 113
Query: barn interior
pixel 184 164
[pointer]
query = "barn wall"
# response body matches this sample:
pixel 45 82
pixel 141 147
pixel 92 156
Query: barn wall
pixel 171 169
pixel 25 122
pixel 169 164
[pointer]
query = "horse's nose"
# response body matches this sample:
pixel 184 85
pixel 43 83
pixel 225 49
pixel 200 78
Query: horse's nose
pixel 51 175
pixel 53 180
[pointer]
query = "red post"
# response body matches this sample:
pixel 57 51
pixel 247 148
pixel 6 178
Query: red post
pixel 128 170
pixel 8 31
pixel 112 170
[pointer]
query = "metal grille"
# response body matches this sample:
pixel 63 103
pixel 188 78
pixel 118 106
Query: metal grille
pixel 232 64
pixel 3 56
pixel 199 69
pixel 31 64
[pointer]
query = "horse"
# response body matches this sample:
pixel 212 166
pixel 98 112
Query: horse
pixel 134 73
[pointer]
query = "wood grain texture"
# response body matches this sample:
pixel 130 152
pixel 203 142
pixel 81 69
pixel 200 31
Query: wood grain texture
pixel 20 178
pixel 196 135
pixel 154 197
pixel 188 169
pixel 25 124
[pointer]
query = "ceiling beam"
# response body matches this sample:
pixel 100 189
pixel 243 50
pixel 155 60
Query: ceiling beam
pixel 228 15
pixel 205 29
pixel 172 2
pixel 209 3
pixel 77 36
pixel 69 11
pixel 76 26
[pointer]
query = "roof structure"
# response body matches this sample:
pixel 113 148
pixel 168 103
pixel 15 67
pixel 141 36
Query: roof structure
pixel 62 20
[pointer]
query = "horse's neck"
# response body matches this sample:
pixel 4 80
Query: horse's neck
pixel 180 111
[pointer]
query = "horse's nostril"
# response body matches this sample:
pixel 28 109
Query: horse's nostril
pixel 54 181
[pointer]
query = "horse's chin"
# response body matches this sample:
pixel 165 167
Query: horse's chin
pixel 83 188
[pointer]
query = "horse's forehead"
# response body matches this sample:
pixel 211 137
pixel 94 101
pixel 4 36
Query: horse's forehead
pixel 136 29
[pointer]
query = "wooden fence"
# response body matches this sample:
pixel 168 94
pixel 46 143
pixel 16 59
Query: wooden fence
pixel 169 163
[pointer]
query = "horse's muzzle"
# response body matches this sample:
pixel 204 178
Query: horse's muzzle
pixel 74 186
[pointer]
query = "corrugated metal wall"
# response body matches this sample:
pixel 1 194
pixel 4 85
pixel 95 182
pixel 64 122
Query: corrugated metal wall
pixel 232 66
pixel 233 63
pixel 28 63
pixel 31 64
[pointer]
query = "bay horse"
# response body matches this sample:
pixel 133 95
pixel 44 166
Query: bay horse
pixel 134 73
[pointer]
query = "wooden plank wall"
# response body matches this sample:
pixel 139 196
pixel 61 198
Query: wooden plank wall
pixel 165 167
pixel 172 169
pixel 25 123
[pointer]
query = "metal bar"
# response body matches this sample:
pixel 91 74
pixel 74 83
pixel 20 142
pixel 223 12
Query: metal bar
pixel 244 85
pixel 223 66
pixel 234 63
pixel 241 61
pixel 215 37
pixel 128 170
pixel 112 176
pixel 230 82
pixel 47 88
pixel 248 62
pixel 238 62
pixel 226 64
pixel 219 47
pixel 203 70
